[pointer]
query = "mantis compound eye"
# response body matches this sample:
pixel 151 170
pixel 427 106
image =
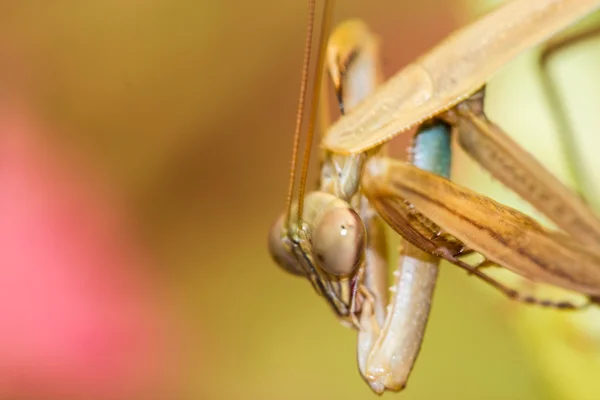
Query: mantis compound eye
pixel 339 241
pixel 280 250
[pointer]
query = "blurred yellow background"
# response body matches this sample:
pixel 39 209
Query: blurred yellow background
pixel 189 108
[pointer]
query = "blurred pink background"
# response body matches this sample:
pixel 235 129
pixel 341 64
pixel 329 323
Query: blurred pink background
pixel 137 185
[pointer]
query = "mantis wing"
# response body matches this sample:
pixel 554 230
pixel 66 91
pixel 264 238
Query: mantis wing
pixel 452 71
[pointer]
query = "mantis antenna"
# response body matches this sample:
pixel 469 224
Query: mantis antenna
pixel 301 100
pixel 325 27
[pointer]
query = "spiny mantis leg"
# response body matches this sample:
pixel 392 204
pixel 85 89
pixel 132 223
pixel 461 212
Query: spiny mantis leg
pixel 508 162
pixel 492 148
pixel 393 355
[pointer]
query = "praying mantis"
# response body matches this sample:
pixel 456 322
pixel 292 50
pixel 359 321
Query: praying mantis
pixel 333 236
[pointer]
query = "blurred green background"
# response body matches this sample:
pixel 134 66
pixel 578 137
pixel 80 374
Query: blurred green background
pixel 189 107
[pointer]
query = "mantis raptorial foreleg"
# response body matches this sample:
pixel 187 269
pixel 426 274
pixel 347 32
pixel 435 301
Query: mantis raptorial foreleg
pixel 388 343
pixel 393 355
pixel 352 45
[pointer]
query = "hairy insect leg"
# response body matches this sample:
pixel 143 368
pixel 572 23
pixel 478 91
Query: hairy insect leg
pixel 510 292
